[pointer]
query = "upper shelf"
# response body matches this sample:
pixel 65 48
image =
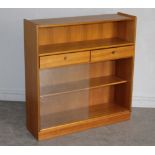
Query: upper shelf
pixel 52 22
pixel 82 45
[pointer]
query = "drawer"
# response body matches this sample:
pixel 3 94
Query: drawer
pixel 112 53
pixel 64 59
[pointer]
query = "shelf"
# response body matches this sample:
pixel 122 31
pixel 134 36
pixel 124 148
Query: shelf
pixel 81 46
pixel 80 85
pixel 69 116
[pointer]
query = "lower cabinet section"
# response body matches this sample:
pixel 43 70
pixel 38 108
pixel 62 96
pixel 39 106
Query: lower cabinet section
pixel 84 96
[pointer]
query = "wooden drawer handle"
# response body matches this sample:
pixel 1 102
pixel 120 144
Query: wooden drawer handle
pixel 65 57
pixel 113 52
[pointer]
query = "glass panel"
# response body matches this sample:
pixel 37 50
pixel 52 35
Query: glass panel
pixel 64 95
pixel 78 92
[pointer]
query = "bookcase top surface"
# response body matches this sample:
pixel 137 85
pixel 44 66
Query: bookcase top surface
pixel 80 20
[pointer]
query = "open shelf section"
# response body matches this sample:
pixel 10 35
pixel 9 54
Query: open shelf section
pixel 80 20
pixel 81 46
pixel 81 85
pixel 82 114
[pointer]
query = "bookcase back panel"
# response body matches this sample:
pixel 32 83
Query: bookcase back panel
pixel 102 95
pixel 121 29
pixel 126 30
pixel 103 68
pixel 65 34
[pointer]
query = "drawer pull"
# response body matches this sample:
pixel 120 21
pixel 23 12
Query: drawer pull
pixel 113 52
pixel 65 57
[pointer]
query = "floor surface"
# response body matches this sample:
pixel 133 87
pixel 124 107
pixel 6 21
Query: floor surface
pixel 140 130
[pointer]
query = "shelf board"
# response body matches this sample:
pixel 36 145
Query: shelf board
pixel 82 114
pixel 81 85
pixel 81 46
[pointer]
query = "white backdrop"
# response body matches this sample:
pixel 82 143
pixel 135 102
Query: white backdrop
pixel 12 50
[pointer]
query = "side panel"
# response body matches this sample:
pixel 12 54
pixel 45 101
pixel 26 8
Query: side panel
pixel 31 77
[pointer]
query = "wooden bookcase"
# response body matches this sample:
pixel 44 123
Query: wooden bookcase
pixel 79 72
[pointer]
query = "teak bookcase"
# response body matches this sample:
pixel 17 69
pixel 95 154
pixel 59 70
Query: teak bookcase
pixel 79 72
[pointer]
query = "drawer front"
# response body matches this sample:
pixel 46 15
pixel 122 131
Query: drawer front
pixel 64 59
pixel 112 53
